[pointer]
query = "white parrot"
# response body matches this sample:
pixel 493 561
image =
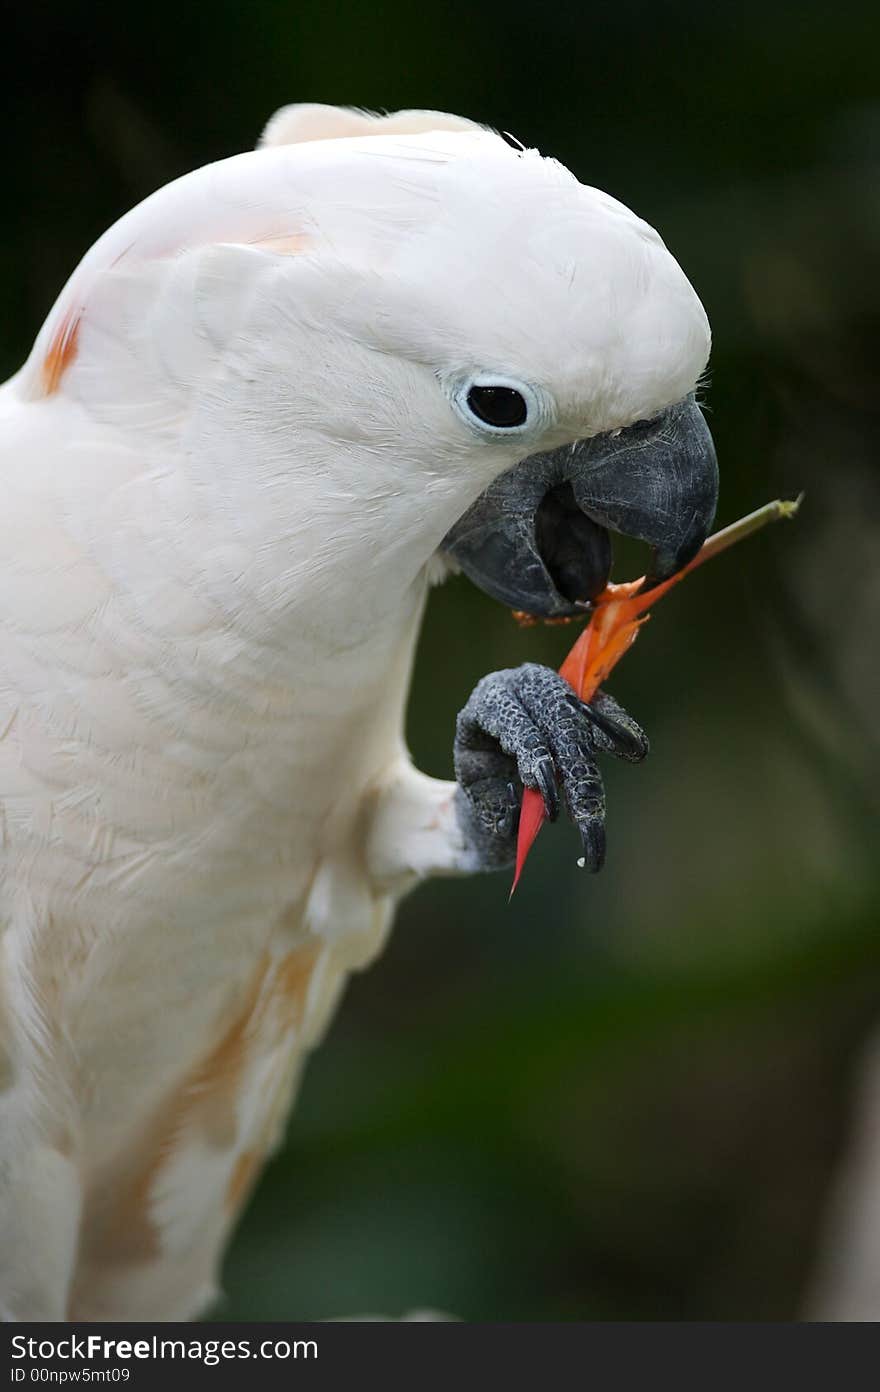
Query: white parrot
pixel 273 404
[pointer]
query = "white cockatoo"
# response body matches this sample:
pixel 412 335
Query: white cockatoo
pixel 272 405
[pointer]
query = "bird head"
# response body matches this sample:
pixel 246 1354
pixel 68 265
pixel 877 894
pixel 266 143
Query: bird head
pixel 553 348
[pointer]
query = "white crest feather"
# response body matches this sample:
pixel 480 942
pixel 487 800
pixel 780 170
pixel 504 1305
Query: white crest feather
pixel 303 121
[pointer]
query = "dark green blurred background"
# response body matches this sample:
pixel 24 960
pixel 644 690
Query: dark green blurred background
pixel 623 1097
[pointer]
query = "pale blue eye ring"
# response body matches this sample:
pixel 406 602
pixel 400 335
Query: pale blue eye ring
pixel 496 404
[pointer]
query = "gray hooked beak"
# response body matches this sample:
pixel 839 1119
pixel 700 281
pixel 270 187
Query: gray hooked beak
pixel 537 539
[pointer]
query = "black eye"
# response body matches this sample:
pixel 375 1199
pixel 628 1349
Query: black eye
pixel 499 406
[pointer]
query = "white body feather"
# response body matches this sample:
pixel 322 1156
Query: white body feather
pixel 224 473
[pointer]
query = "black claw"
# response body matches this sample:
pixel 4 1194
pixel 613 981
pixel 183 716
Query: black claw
pixel 627 739
pixel 546 776
pixel 593 839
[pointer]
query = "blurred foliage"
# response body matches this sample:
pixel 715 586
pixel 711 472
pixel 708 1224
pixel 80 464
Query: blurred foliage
pixel 618 1098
